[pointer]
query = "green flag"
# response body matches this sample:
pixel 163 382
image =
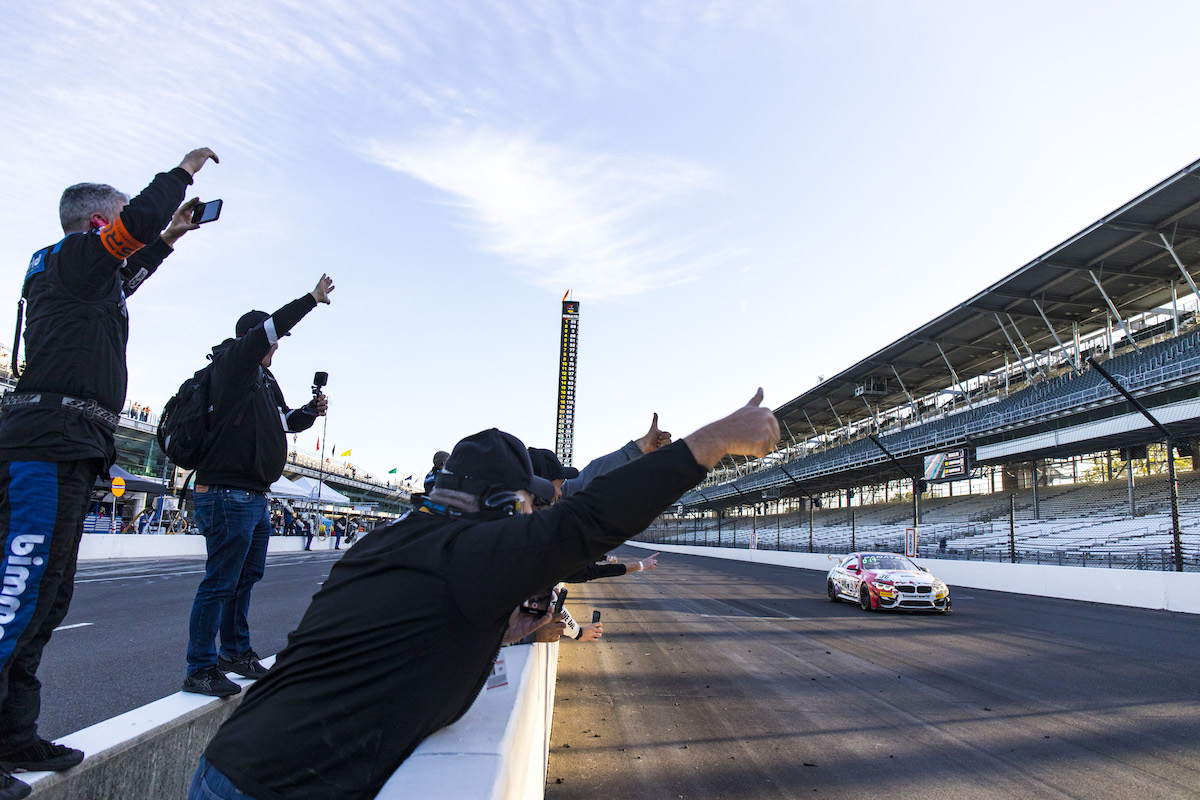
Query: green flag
pixel 393 471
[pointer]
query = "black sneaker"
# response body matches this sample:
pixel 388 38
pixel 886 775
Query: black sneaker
pixel 41 756
pixel 210 681
pixel 246 665
pixel 11 788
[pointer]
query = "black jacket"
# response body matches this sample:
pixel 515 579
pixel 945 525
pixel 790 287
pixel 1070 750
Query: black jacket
pixel 249 409
pixel 77 326
pixel 402 635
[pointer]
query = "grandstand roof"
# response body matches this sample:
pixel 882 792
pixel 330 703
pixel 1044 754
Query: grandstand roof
pixel 1124 250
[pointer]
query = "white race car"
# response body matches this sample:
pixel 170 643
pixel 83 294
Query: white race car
pixel 886 580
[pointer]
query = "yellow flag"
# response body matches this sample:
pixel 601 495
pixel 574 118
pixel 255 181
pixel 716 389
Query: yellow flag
pixel 343 455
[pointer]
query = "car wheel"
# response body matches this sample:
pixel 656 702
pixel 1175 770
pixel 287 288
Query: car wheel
pixel 831 590
pixel 864 599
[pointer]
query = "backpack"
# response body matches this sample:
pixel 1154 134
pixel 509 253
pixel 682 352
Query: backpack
pixel 185 427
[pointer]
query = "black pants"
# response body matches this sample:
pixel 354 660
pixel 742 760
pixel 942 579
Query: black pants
pixel 42 505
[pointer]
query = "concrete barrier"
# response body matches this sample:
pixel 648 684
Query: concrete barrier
pixel 100 546
pixel 150 752
pixel 498 750
pixel 1170 591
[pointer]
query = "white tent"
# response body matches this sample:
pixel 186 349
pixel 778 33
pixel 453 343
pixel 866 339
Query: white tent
pixel 328 494
pixel 288 490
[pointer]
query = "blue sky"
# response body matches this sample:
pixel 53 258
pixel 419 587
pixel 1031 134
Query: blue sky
pixel 739 193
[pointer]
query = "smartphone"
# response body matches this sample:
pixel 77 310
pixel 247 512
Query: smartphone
pixel 562 598
pixel 537 605
pixel 206 212
pixel 595 616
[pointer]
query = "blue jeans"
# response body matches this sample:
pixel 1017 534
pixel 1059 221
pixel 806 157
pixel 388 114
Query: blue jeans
pixel 209 783
pixel 236 528
pixel 42 505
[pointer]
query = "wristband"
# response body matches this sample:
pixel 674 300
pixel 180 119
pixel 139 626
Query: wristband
pixel 641 567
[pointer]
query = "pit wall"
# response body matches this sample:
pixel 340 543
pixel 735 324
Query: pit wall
pixel 1170 591
pixel 100 546
pixel 497 751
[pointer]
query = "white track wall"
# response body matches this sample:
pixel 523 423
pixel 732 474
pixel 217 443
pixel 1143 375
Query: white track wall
pixel 1170 591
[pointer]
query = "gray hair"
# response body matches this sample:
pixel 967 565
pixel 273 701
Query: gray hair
pixel 460 500
pixel 80 201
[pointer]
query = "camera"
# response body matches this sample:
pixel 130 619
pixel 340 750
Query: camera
pixel 537 605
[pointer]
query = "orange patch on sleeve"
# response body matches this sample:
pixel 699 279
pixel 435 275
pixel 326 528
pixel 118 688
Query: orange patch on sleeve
pixel 117 240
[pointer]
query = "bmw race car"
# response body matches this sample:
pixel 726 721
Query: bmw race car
pixel 886 580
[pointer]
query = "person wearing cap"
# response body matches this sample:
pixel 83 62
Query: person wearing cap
pixel 568 480
pixel 439 461
pixel 354 692
pixel 57 428
pixel 232 481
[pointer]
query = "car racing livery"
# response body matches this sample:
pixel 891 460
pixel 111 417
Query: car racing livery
pixel 886 580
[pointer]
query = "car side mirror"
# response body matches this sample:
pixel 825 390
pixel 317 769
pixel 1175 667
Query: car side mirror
pixel 852 569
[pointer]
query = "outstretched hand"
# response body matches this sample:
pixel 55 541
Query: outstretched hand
pixel 651 562
pixel 194 160
pixel 322 290
pixel 591 632
pixel 181 222
pixel 654 438
pixel 749 431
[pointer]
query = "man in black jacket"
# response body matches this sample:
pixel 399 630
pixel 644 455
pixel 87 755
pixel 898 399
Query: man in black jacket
pixel 56 428
pixel 354 693
pixel 232 482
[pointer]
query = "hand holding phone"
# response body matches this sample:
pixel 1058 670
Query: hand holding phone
pixel 206 212
pixel 595 616
pixel 562 598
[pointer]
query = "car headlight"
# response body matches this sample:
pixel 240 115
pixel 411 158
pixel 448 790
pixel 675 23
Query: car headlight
pixel 887 587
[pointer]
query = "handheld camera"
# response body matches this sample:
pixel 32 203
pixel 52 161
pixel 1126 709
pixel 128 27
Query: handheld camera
pixel 319 381
pixel 537 605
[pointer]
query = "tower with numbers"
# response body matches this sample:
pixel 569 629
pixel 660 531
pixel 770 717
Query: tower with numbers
pixel 568 349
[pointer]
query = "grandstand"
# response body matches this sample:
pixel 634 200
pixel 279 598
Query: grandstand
pixel 1003 383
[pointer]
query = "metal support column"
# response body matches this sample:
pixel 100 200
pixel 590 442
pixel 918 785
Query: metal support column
pixel 1054 333
pixel 1037 510
pixel 1020 358
pixel 913 403
pixel 1186 275
pixel 1115 313
pixel 1032 355
pixel 954 375
pixel 1184 449
pixel 1012 528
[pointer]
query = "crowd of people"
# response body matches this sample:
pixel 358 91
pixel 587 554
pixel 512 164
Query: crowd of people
pixel 355 691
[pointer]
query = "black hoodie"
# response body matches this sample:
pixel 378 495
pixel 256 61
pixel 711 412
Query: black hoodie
pixel 249 409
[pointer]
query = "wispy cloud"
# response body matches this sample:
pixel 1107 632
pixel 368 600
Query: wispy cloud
pixel 565 217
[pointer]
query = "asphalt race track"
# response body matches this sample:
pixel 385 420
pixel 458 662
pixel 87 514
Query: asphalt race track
pixel 721 679
pixel 124 641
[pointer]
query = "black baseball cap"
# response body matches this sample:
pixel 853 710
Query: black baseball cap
pixel 491 460
pixel 546 465
pixel 251 320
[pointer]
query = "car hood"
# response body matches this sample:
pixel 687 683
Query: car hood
pixel 903 576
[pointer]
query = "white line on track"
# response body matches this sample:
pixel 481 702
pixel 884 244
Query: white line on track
pixel 76 625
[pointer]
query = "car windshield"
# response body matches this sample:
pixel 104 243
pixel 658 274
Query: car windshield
pixel 881 561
